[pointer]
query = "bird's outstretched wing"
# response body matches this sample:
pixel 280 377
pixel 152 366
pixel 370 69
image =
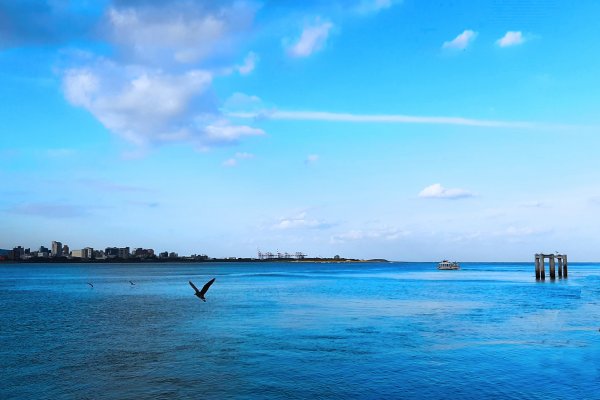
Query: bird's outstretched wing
pixel 194 287
pixel 206 286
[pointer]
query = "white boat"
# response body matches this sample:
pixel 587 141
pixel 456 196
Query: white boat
pixel 448 265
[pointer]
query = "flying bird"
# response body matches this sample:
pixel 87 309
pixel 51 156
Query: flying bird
pixel 132 284
pixel 90 284
pixel 200 293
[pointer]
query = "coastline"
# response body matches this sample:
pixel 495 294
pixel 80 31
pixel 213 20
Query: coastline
pixel 182 260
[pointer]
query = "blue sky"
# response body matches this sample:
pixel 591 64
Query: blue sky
pixel 408 130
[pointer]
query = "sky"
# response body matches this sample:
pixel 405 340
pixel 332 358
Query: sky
pixel 407 130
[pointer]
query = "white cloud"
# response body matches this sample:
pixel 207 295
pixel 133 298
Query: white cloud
pixel 377 118
pixel 223 132
pixel 301 220
pixel 249 64
pixel 373 6
pixel 154 91
pixel 437 191
pixel 79 86
pixel 178 31
pixel 242 101
pixel 511 38
pixel 462 41
pixel 141 106
pixel 312 39
pixel 146 106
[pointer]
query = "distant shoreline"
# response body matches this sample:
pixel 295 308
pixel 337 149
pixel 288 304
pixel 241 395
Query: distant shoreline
pixel 180 260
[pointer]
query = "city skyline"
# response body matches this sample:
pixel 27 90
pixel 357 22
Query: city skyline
pixel 371 128
pixel 62 250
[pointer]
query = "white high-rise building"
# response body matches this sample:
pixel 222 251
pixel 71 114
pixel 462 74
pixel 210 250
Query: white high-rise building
pixel 88 253
pixel 57 249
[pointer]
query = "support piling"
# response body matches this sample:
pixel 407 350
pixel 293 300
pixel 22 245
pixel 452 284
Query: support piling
pixel 560 266
pixel 540 267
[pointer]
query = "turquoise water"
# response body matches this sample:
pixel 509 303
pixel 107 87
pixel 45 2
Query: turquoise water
pixel 282 330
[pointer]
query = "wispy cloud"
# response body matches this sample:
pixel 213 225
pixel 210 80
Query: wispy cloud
pixel 249 64
pixel 230 162
pixel 311 159
pixel 50 210
pixel 145 204
pixel 386 233
pixel 242 102
pixel 462 41
pixel 518 232
pixel 224 132
pixel 511 38
pixel 378 118
pixel 373 6
pixel 594 200
pixel 244 155
pixel 299 221
pixel 437 191
pixel 532 204
pixel 234 161
pixel 108 186
pixel 312 39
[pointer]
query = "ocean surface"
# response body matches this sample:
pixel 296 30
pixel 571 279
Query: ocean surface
pixel 298 330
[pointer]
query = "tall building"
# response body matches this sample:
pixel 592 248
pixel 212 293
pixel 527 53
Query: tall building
pixel 43 252
pixel 56 249
pixel 111 252
pixel 124 252
pixel 143 253
pixel 18 253
pixel 65 250
pixel 117 252
pixel 88 253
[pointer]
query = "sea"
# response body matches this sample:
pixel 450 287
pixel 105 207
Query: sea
pixel 298 331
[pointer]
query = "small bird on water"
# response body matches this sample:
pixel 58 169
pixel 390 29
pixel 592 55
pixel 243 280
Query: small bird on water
pixel 132 284
pixel 90 284
pixel 200 293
